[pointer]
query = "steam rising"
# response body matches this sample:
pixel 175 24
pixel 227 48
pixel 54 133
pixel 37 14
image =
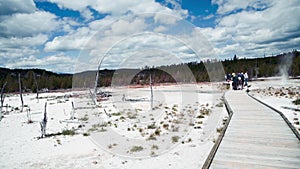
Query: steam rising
pixel 286 63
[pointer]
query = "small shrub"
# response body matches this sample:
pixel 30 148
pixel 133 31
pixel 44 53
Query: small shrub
pixel 191 124
pixel 175 129
pixel 157 132
pixel 86 134
pixel 29 121
pixel 151 126
pixel 175 121
pixel 58 141
pixel 175 139
pixel 205 111
pixel 219 129
pixel 136 149
pixel 166 126
pixel 112 145
pixel 102 130
pixel 151 137
pixel 85 118
pixel 199 122
pixel 68 132
pixel 200 117
pixel 92 129
pixel 297 101
pixel 154 147
pixel 116 114
pixel 131 116
pixel 219 104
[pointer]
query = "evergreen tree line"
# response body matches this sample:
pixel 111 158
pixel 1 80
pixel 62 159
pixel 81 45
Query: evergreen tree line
pixel 266 66
pixel 197 72
pixel 190 72
pixel 33 78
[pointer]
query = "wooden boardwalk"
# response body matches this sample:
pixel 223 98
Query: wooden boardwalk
pixel 256 137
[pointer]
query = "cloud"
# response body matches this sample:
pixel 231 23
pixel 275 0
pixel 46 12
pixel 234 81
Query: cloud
pixel 17 42
pixel 28 24
pixel 16 6
pixel 76 5
pixel 250 28
pixel 28 34
pixel 56 63
pixel 229 6
pixel 14 54
pixel 112 26
pixel 208 17
pixel 124 27
pixel 160 28
pixel 73 41
pixel 119 7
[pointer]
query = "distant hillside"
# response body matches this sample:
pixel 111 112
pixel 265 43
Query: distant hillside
pixel 45 79
pixel 258 67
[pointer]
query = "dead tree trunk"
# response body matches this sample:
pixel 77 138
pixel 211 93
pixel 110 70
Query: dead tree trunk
pixel 73 111
pixel 2 93
pixel 151 92
pixel 28 115
pixel 43 123
pixel 2 99
pixel 20 90
pixel 94 97
pixel 37 87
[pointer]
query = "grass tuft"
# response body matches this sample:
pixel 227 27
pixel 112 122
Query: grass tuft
pixel 136 149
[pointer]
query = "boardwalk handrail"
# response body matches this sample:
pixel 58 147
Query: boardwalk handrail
pixel 281 114
pixel 213 151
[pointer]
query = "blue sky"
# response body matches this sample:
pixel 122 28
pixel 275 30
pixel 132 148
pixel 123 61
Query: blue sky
pixel 74 35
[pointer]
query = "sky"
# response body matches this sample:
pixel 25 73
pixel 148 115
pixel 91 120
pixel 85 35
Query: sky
pixel 69 36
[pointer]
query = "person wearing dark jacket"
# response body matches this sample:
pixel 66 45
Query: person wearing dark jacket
pixel 234 81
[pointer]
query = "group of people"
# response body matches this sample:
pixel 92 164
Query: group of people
pixel 239 80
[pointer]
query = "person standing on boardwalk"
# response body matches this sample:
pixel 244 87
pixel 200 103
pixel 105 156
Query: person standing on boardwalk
pixel 234 81
pixel 246 79
pixel 243 79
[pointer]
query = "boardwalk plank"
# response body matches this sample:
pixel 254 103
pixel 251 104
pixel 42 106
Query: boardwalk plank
pixel 257 137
